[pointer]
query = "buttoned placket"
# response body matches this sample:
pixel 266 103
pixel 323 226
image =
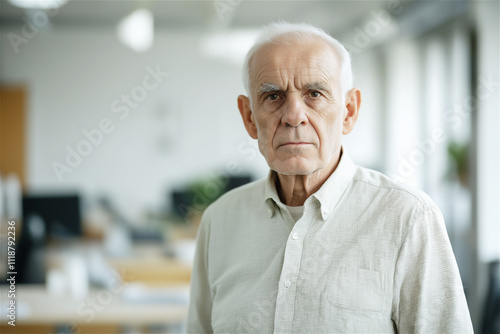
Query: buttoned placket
pixel 287 285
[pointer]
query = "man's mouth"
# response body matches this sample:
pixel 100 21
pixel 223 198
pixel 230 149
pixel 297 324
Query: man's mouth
pixel 294 144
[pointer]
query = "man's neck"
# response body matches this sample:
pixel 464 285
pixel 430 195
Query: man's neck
pixel 293 190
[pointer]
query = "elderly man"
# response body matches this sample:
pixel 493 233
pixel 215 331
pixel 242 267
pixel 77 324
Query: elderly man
pixel 321 245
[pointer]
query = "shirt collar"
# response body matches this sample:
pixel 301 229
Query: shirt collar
pixel 327 196
pixel 271 193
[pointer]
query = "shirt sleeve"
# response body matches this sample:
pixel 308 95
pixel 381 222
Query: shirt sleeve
pixel 428 294
pixel 200 303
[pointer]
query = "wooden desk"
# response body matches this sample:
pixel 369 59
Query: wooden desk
pixel 139 299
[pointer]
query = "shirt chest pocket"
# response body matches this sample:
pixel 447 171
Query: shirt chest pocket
pixel 358 289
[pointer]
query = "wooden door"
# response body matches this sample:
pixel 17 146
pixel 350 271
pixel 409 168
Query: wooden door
pixel 13 132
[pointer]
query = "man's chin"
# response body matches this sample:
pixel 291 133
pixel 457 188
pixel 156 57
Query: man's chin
pixel 295 169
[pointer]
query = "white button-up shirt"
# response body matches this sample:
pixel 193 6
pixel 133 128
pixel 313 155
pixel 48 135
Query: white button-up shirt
pixel 368 255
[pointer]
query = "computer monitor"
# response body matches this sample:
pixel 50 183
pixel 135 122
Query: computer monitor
pixel 235 181
pixel 60 212
pixel 182 199
pixel 54 216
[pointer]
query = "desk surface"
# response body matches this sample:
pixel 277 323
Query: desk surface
pixel 36 306
pixel 151 289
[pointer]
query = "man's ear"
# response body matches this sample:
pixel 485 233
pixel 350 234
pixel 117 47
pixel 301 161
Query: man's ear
pixel 353 102
pixel 247 115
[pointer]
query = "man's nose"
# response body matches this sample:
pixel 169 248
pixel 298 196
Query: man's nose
pixel 294 111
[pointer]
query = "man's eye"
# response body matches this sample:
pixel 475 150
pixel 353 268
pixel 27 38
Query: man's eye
pixel 315 94
pixel 272 97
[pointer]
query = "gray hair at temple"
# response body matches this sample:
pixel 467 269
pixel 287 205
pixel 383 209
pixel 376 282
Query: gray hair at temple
pixel 288 33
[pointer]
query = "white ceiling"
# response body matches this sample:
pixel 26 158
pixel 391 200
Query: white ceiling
pixel 334 16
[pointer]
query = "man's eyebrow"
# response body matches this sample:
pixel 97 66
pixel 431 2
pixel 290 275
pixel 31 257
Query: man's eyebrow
pixel 317 86
pixel 267 87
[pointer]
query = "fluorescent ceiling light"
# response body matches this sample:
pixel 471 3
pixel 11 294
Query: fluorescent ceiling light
pixel 44 4
pixel 229 45
pixel 136 30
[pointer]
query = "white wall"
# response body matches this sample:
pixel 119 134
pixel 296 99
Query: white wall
pixel 365 143
pixel 186 127
pixel 487 15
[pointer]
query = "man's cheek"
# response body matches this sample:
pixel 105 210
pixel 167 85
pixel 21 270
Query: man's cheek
pixel 263 148
pixel 264 132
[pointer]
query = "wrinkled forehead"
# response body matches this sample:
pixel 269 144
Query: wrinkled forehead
pixel 304 62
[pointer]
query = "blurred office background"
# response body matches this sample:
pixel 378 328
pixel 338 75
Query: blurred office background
pixel 119 125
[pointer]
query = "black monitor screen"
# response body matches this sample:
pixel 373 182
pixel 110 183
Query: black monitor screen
pixel 183 199
pixel 61 213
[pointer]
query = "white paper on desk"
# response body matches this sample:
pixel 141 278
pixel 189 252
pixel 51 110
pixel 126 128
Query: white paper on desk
pixel 23 310
pixel 140 293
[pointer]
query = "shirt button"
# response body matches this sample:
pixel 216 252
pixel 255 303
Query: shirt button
pixel 287 283
pixel 295 236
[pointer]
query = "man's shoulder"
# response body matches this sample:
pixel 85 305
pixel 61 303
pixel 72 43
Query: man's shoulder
pixel 378 182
